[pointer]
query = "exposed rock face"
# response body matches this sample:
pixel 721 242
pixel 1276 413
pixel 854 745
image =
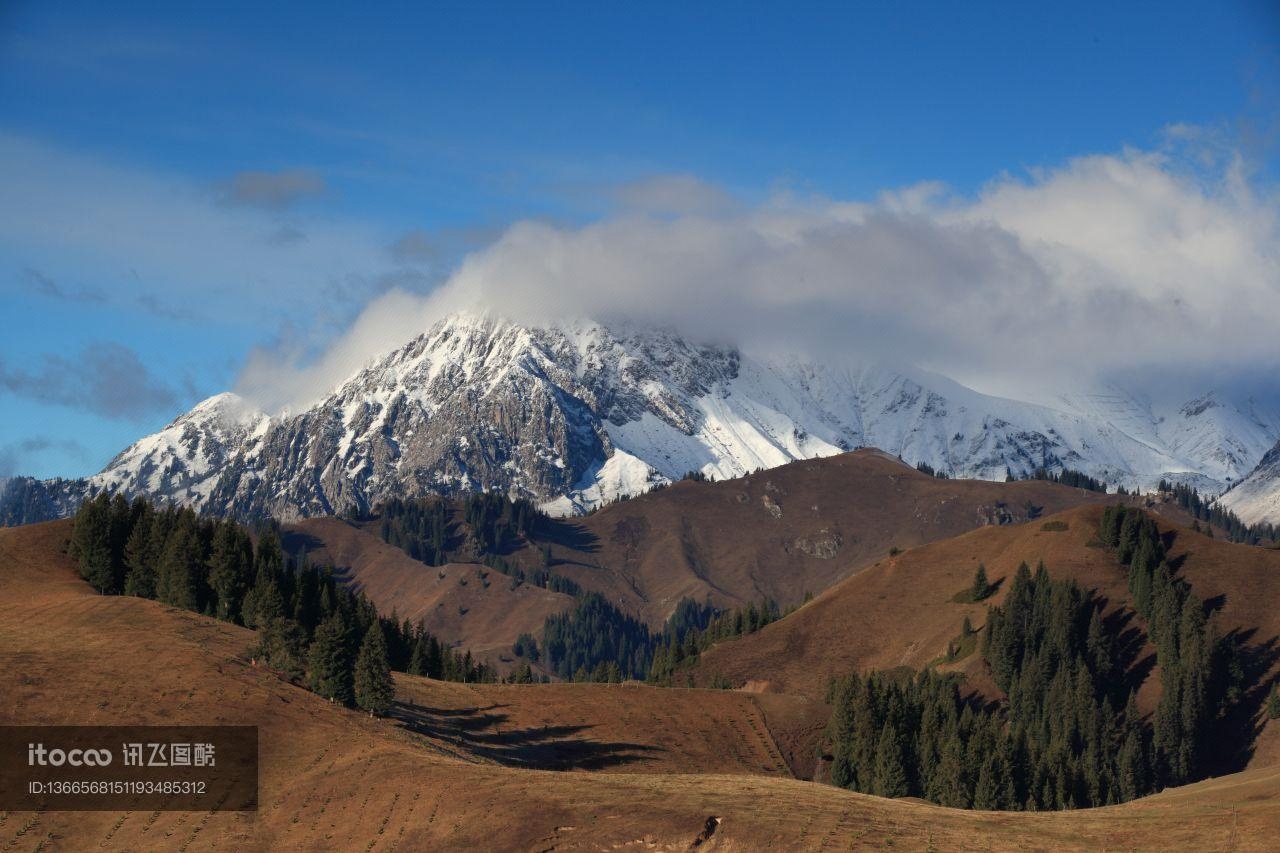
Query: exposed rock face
pixel 824 544
pixel 582 413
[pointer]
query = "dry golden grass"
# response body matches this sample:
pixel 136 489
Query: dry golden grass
pixel 334 779
pixel 466 603
pixel 779 534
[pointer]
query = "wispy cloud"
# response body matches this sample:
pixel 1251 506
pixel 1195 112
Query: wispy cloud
pixel 441 245
pixel 273 191
pixel 70 217
pixel 675 195
pixel 46 286
pixel 17 458
pixel 106 378
pixel 156 307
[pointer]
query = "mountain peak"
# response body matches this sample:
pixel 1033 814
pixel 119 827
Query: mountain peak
pixel 579 412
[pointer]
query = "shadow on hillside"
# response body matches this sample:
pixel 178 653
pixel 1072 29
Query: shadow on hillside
pixel 295 542
pixel 568 534
pixel 1234 737
pixel 1130 642
pixel 480 731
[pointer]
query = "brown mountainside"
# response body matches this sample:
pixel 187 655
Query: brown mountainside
pixel 461 768
pixel 778 535
pixel 901 612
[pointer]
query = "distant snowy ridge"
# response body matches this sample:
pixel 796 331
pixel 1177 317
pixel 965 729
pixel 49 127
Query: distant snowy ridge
pixel 1256 498
pixel 579 413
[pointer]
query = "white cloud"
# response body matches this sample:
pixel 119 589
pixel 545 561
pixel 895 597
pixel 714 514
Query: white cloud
pixel 1163 259
pixel 283 377
pixel 1135 261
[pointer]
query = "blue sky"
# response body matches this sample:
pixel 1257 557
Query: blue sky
pixel 186 182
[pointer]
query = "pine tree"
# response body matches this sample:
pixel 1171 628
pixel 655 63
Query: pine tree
pixel 947 785
pixel 91 543
pixel 1273 703
pixel 176 582
pixel 374 689
pixel 433 662
pixel 980 588
pixel 1131 767
pixel 228 571
pixel 891 775
pixel 140 576
pixel 281 647
pixel 263 604
pixel 986 793
pixel 330 666
pixel 1099 646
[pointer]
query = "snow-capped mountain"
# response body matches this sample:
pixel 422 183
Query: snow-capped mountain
pixel 184 460
pixel 1256 498
pixel 1216 440
pixel 579 413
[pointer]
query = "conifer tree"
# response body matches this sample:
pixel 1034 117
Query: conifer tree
pixel 891 775
pixel 176 582
pixel 986 792
pixel 139 559
pixel 1131 770
pixel 947 784
pixel 330 666
pixel 981 588
pixel 228 571
pixel 91 543
pixel 374 689
pixel 281 647
pixel 263 604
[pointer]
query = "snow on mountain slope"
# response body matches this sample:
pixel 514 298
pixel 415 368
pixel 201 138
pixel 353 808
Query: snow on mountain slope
pixel 184 460
pixel 1226 438
pixel 1256 498
pixel 1210 441
pixel 581 413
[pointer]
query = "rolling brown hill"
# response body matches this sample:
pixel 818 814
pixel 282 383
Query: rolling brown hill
pixel 460 769
pixel 901 612
pixel 478 608
pixel 778 535
pixel 797 529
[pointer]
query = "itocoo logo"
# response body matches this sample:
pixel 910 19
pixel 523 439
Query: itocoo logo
pixel 38 755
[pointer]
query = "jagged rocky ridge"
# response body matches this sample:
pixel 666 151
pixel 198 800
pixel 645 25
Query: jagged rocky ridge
pixel 581 413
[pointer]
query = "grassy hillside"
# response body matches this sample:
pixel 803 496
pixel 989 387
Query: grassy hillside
pixel 903 612
pixel 459 771
pixel 778 535
pixel 465 602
